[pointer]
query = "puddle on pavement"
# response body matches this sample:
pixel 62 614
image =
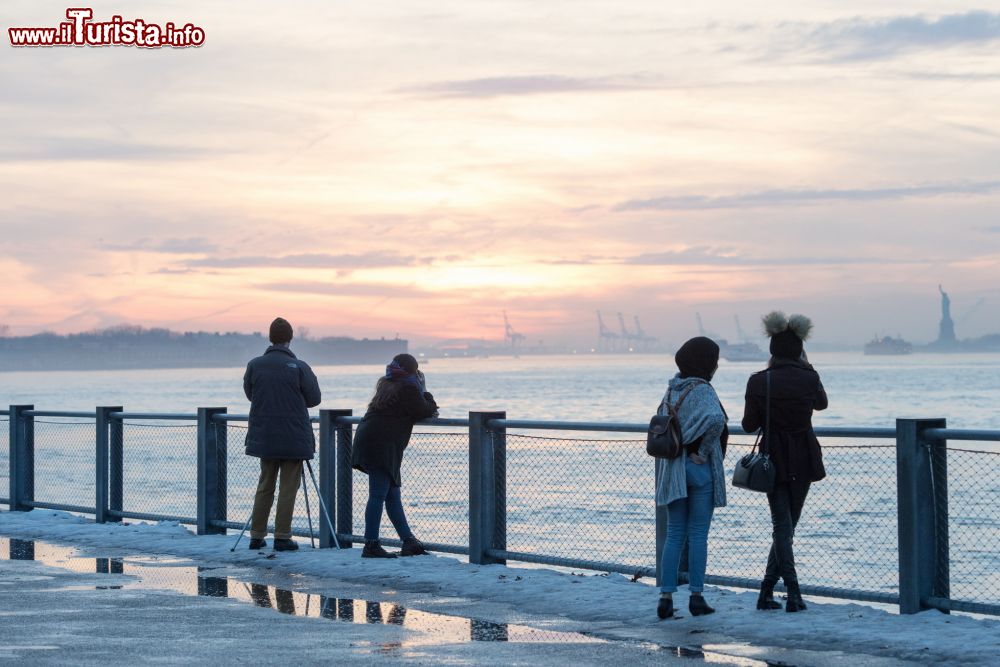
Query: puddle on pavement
pixel 183 576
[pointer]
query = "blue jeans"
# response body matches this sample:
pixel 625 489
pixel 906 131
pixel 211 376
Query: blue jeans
pixel 689 520
pixel 382 493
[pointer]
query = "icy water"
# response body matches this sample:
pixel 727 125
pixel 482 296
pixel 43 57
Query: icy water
pixel 585 495
pixel 869 391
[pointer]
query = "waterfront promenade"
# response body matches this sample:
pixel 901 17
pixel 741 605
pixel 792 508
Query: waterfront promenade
pixel 327 604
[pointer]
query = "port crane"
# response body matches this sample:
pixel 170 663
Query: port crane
pixel 510 337
pixel 607 340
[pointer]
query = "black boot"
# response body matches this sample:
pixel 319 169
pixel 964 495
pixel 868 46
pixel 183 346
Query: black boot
pixel 374 550
pixel 794 601
pixel 766 598
pixel 257 543
pixel 285 545
pixel 665 608
pixel 412 547
pixel 698 607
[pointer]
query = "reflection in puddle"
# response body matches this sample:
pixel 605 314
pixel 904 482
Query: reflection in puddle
pixel 428 629
pixel 180 575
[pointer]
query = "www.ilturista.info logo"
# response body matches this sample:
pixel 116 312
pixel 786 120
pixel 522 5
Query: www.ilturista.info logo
pixel 81 30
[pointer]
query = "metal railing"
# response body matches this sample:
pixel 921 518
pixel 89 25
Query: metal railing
pixel 878 529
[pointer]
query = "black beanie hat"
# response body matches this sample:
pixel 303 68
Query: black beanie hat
pixel 698 357
pixel 281 331
pixel 786 345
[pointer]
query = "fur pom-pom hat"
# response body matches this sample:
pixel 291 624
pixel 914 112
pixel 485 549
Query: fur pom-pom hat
pixel 787 333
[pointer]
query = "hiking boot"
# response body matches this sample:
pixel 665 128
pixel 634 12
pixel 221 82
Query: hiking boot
pixel 412 547
pixel 374 550
pixel 698 607
pixel 665 607
pixel 766 599
pixel 794 600
pixel 257 543
pixel 285 545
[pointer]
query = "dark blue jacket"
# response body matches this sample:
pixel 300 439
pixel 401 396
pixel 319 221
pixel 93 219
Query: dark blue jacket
pixel 281 389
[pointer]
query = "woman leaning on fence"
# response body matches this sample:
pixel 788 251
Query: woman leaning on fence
pixel 400 400
pixel 693 484
pixel 795 392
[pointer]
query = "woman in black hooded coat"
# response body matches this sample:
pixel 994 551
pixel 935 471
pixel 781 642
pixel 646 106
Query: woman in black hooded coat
pixel 795 392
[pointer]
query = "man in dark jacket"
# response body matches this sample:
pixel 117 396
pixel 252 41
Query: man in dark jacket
pixel 281 389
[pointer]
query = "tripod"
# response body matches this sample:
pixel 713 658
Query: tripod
pixel 324 511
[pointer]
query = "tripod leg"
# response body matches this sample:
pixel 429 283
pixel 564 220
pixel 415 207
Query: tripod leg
pixel 305 492
pixel 245 526
pixel 322 504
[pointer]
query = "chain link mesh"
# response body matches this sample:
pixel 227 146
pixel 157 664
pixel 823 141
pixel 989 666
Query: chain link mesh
pixel 4 460
pixel 435 491
pixel 65 461
pixel 595 498
pixel 160 468
pixel 973 523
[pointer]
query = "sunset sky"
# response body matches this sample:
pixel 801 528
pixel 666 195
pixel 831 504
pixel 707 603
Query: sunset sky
pixel 418 167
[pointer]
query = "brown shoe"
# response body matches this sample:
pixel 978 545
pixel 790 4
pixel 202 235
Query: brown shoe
pixel 374 550
pixel 412 547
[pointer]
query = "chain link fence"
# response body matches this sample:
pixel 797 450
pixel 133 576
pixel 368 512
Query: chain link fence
pixel 65 461
pixel 595 499
pixel 973 523
pixel 160 468
pixel 435 491
pixel 4 459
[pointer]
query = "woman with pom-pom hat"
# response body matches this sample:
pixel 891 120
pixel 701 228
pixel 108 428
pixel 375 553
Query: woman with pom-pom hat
pixel 795 392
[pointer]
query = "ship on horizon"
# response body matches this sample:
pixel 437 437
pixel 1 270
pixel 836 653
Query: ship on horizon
pixel 888 346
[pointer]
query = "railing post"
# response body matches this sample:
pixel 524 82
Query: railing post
pixel 109 465
pixel 487 487
pixel 212 481
pixel 22 458
pixel 939 478
pixel 661 529
pixel 920 539
pixel 329 472
pixel 344 441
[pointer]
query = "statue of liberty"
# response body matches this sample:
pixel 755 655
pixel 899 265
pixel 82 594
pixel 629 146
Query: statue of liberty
pixel 946 333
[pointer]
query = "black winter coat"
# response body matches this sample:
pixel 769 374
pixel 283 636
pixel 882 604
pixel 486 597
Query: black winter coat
pixel 796 391
pixel 384 433
pixel 281 389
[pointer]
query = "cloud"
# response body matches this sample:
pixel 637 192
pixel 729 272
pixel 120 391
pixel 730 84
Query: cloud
pixel 862 38
pixel 803 197
pixel 534 85
pixel 173 272
pixel 370 260
pixel 381 290
pixel 175 246
pixel 71 149
pixel 702 255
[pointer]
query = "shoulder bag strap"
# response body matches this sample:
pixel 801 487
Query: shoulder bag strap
pixel 766 445
pixel 687 391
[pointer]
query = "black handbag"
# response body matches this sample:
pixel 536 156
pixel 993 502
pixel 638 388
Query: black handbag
pixel 755 471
